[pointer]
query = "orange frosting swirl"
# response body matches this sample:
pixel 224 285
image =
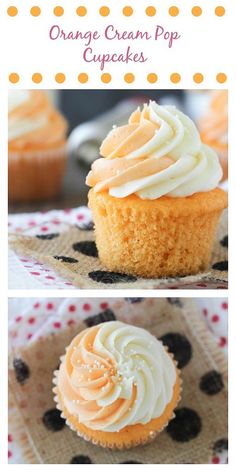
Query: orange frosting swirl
pixel 214 125
pixel 33 123
pixel 114 375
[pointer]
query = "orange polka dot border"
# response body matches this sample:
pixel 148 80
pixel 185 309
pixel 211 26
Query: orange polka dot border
pixel 128 10
pixel 128 78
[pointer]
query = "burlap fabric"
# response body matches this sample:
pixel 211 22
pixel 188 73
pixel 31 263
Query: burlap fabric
pixel 201 416
pixel 73 255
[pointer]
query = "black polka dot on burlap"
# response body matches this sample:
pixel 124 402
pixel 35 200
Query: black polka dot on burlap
pixel 211 383
pixel 88 248
pixel 86 226
pixel 222 265
pixel 185 426
pixel 70 260
pixel 110 277
pixel 80 459
pixel 22 371
pixel 130 462
pixel 179 346
pixel 102 317
pixel 47 237
pixel 134 300
pixel 224 241
pixel 52 420
pixel 221 445
pixel 175 301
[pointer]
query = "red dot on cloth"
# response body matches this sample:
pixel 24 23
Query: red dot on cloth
pixel 35 273
pixel 223 341
pixel 49 306
pixel 29 336
pixel 9 454
pixel 72 308
pixel 10 438
pixel 57 324
pixel 50 277
pixel 224 306
pixel 44 228
pixel 32 223
pixel 205 311
pixel 86 307
pixel 103 306
pixel 215 460
pixel 56 222
pixel 70 322
pixel 18 319
pixel 31 320
pixel 215 318
pixel 68 283
pixel 37 305
pixel 80 217
pixel 201 285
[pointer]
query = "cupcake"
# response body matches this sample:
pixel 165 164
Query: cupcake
pixel 154 198
pixel 214 127
pixel 117 386
pixel 36 146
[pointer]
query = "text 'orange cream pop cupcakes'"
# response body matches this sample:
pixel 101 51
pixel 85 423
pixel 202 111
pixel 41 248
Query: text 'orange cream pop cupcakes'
pixel 117 386
pixel 154 198
pixel 214 127
pixel 36 146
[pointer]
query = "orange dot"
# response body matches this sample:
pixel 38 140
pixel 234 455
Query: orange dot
pixel 220 11
pixel 58 11
pixel 12 11
pixel 35 11
pixel 173 11
pixel 104 11
pixel 150 11
pixel 60 78
pixel 175 78
pixel 14 78
pixel 196 11
pixel 221 78
pixel 127 11
pixel 37 78
pixel 81 11
pixel 198 78
pixel 152 78
pixel 106 78
pixel 129 78
pixel 83 78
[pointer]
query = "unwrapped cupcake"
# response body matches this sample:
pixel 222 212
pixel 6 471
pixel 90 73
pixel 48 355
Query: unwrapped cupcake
pixel 154 196
pixel 117 386
pixel 214 127
pixel 36 146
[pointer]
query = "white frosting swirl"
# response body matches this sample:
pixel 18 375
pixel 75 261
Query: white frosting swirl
pixel 134 385
pixel 195 167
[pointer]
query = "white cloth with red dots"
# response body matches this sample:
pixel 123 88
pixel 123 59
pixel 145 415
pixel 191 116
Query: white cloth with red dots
pixel 32 318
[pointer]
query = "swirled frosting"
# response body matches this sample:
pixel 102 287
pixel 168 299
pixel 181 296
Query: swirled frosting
pixel 32 121
pixel 114 375
pixel 159 152
pixel 214 124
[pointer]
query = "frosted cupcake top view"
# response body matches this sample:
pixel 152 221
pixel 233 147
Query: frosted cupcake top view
pixel 159 152
pixel 117 378
pixel 154 196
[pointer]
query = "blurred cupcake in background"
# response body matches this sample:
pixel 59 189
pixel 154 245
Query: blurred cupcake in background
pixel 36 146
pixel 214 127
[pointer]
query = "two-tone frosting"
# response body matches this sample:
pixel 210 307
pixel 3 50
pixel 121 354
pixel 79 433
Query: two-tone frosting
pixel 214 124
pixel 114 375
pixel 32 121
pixel 159 152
